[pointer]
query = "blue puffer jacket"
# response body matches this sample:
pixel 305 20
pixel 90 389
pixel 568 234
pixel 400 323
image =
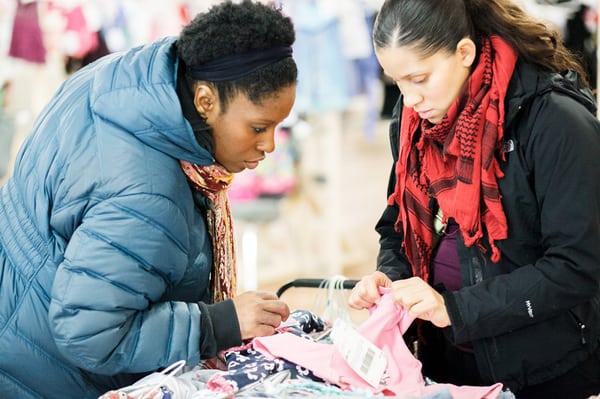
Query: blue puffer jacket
pixel 103 252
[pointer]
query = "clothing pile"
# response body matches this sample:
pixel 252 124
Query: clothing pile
pixel 301 360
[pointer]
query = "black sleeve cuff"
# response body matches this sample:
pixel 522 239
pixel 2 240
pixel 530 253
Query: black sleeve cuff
pixel 219 328
pixel 456 332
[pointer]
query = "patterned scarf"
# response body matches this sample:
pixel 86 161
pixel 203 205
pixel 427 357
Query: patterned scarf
pixel 455 162
pixel 212 181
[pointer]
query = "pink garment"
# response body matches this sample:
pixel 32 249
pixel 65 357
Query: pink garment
pixel 85 39
pixel 27 40
pixel 384 328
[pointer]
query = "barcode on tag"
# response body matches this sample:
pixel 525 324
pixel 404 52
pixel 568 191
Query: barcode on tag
pixel 366 359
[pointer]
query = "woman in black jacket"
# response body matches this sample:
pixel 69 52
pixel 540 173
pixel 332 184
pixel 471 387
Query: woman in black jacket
pixel 491 235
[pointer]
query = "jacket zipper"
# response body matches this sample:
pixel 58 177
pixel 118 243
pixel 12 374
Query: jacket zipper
pixel 476 277
pixel 582 328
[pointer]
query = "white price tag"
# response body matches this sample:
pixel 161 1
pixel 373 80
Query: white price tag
pixel 366 359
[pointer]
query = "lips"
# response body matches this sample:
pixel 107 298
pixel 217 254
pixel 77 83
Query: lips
pixel 253 164
pixel 427 114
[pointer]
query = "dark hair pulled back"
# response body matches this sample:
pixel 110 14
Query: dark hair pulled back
pixel 438 25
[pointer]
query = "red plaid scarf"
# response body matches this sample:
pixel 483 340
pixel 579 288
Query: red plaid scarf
pixel 454 162
pixel 213 181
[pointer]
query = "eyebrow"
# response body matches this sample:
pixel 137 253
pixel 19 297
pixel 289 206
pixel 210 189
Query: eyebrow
pixel 264 121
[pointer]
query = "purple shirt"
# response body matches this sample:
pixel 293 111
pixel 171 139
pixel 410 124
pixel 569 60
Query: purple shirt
pixel 445 264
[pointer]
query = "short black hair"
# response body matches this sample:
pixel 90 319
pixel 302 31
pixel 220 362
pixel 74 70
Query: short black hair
pixel 233 28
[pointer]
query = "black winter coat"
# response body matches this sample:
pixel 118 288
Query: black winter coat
pixel 535 314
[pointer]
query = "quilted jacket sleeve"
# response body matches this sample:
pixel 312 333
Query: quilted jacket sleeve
pixel 105 310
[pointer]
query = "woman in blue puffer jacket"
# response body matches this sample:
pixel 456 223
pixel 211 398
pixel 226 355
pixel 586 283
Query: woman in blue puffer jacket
pixel 116 246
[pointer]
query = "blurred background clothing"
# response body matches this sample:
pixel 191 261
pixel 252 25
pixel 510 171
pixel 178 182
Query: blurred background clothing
pixel 577 21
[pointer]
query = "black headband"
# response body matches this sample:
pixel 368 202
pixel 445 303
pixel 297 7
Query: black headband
pixel 235 66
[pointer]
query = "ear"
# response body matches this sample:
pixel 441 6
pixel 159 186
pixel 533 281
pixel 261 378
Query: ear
pixel 467 51
pixel 205 99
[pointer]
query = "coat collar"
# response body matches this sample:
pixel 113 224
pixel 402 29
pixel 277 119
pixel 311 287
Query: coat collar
pixel 528 82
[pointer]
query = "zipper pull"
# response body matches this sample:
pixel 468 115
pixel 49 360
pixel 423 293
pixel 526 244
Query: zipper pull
pixel 582 331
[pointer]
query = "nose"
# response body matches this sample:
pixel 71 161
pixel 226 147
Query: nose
pixel 412 98
pixel 267 142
